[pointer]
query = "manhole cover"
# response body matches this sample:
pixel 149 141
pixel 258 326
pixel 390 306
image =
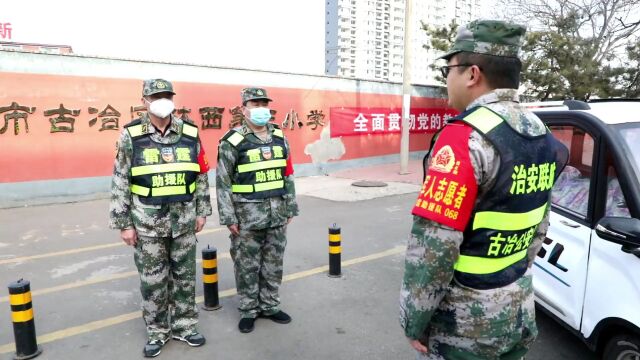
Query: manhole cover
pixel 367 183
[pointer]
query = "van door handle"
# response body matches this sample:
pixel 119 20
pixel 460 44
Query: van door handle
pixel 566 223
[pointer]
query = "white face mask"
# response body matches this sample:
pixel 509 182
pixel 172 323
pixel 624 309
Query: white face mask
pixel 161 107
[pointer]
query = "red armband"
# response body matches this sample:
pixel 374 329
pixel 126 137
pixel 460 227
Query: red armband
pixel 203 161
pixel 289 169
pixel 449 192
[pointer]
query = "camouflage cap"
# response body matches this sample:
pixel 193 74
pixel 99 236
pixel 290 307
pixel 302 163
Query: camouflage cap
pixel 490 37
pixel 253 94
pixel 155 86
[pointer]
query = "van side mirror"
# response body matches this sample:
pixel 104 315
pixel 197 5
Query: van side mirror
pixel 623 231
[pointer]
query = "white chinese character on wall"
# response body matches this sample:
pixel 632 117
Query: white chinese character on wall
pixel 360 123
pixel 377 122
pixel 412 122
pixel 423 121
pixel 394 121
pixel 435 121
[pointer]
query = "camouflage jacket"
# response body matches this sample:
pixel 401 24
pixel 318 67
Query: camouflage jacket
pixel 430 297
pixel 126 210
pixel 250 214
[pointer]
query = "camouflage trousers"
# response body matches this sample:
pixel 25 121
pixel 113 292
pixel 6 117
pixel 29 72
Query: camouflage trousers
pixel 167 268
pixel 257 262
pixel 440 348
pixel 496 324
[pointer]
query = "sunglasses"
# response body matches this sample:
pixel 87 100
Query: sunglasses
pixel 444 70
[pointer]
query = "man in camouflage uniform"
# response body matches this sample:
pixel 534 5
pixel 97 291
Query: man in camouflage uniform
pixel 482 212
pixel 159 200
pixel 256 201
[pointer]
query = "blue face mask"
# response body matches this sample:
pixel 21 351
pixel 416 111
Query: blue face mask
pixel 260 116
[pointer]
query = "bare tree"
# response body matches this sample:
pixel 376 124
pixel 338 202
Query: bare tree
pixel 608 23
pixel 574 48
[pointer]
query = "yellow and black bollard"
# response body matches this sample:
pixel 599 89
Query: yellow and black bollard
pixel 210 279
pixel 335 251
pixel 24 328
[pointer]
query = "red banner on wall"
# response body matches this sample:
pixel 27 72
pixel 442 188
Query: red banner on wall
pixel 353 121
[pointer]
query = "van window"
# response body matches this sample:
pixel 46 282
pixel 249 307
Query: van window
pixel 616 204
pixel 571 189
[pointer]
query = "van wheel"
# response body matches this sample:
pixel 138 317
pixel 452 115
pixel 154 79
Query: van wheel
pixel 622 347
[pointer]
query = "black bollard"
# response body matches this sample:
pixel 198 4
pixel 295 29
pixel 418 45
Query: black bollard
pixel 210 279
pixel 24 328
pixel 335 251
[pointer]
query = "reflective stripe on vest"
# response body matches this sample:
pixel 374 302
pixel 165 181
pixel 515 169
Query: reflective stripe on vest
pixel 508 221
pixel 163 191
pixel 235 139
pixel 190 130
pixel 483 119
pixel 271 185
pixel 164 168
pixel 135 130
pixel 270 164
pixel 483 265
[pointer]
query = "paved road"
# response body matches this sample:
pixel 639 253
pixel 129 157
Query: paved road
pixel 86 296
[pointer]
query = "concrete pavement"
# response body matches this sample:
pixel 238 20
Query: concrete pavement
pixel 86 298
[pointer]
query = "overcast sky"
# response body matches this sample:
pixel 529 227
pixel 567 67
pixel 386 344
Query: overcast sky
pixel 271 35
pixel 281 35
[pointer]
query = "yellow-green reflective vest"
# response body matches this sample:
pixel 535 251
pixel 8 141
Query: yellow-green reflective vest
pixel 259 171
pixel 494 250
pixel 163 173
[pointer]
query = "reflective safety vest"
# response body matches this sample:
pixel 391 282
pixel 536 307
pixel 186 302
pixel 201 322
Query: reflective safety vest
pixel 163 173
pixel 259 171
pixel 494 250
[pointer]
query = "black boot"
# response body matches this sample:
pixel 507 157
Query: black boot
pixel 280 317
pixel 246 325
